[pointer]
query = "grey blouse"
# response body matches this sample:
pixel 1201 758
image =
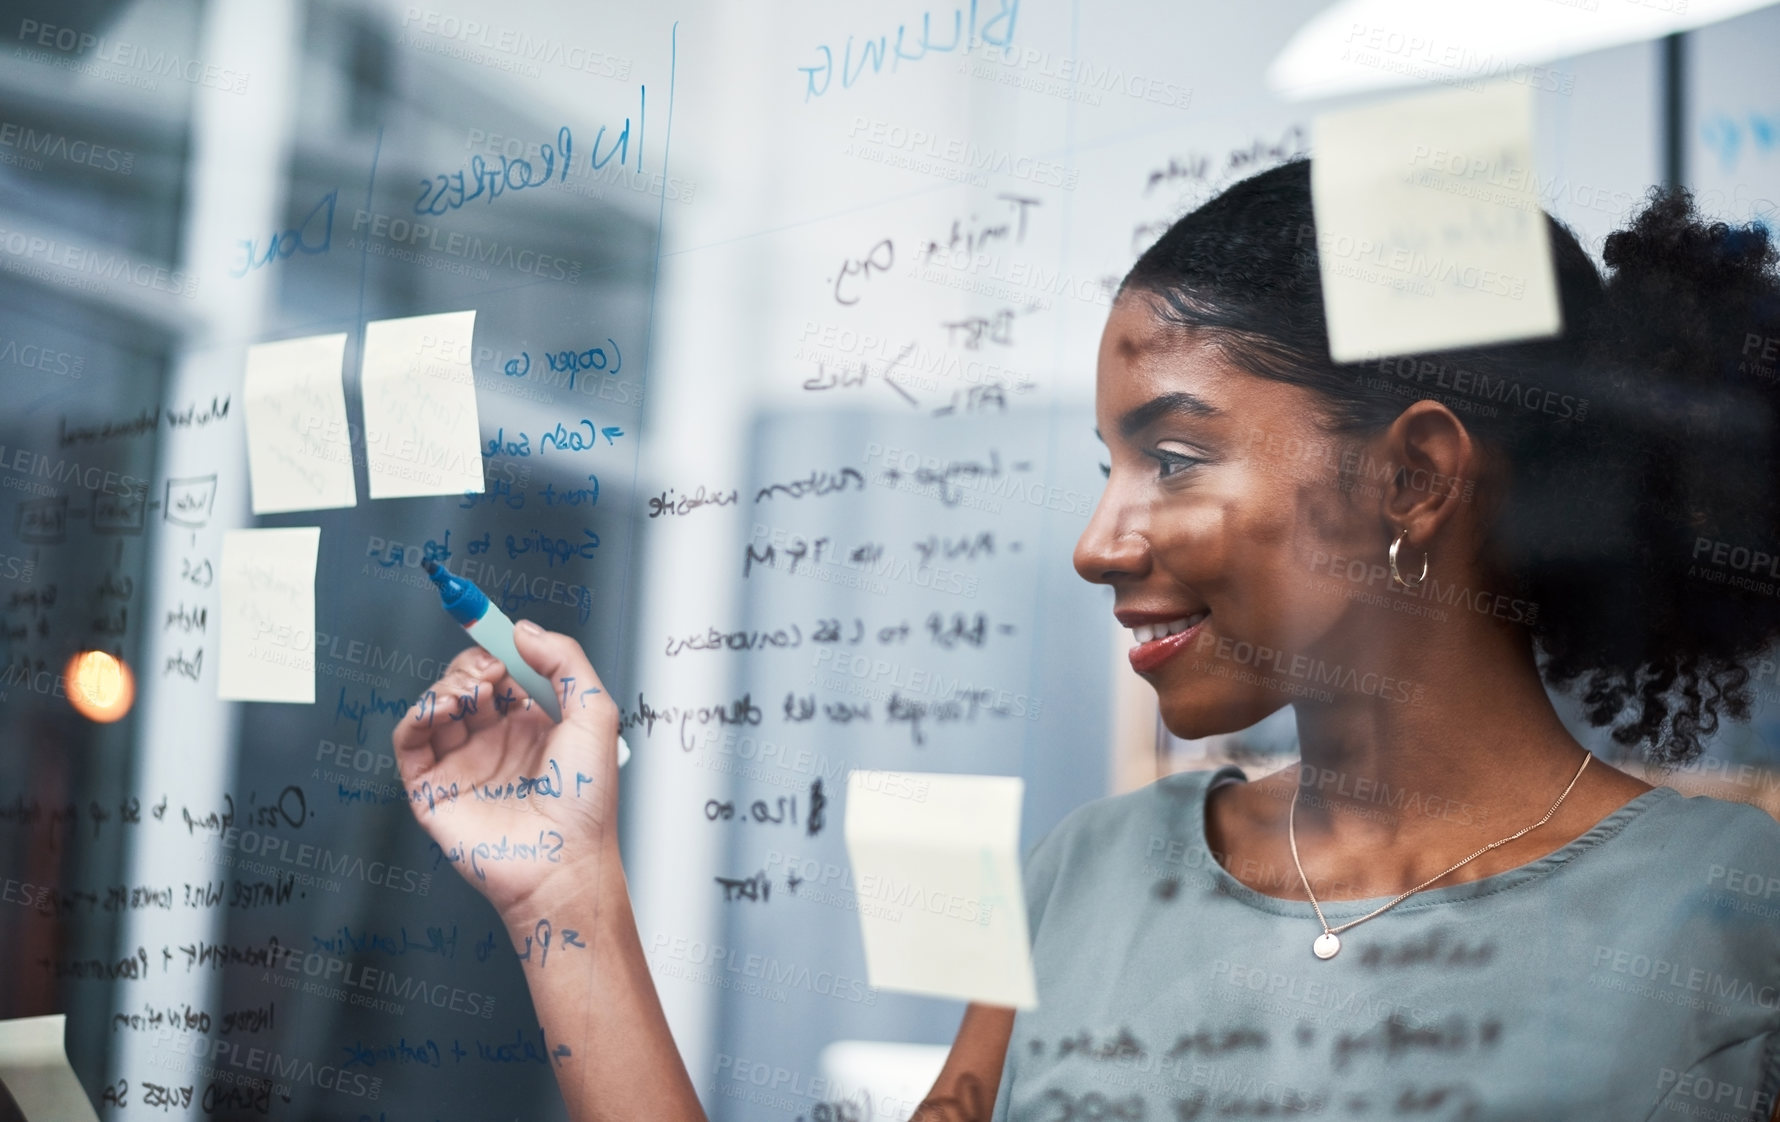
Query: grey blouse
pixel 1633 973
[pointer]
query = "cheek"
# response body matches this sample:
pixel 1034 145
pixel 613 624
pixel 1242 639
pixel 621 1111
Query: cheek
pixel 1200 540
pixel 1281 566
pixel 1270 528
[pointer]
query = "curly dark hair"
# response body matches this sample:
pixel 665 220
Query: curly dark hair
pixel 1640 441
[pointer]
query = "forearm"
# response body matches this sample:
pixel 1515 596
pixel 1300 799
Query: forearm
pixel 598 1000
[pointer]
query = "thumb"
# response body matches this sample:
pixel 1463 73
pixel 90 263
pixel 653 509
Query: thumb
pixel 562 662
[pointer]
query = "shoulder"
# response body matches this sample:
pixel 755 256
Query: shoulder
pixel 1724 827
pixel 1104 845
pixel 1723 834
pixel 1715 863
pixel 1151 816
pixel 1692 843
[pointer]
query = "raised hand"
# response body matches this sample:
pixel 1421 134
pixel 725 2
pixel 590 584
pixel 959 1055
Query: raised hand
pixel 524 808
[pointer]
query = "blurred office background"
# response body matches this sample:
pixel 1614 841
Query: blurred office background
pixel 874 278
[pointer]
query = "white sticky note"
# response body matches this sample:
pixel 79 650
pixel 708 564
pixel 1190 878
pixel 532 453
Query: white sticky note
pixel 299 449
pixel 1429 234
pixel 34 1066
pixel 421 432
pixel 267 637
pixel 937 857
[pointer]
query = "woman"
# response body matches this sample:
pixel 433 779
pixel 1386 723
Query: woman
pixel 1447 910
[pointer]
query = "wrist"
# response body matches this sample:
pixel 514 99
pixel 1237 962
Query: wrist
pixel 576 895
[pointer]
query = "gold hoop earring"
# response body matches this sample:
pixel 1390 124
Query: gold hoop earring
pixel 1398 577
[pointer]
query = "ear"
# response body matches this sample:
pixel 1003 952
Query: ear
pixel 1439 462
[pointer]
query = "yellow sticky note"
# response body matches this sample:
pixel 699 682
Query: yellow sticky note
pixel 34 1066
pixel 942 873
pixel 422 436
pixel 1429 233
pixel 299 449
pixel 267 635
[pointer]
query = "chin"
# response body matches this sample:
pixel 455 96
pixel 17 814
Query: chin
pixel 1193 710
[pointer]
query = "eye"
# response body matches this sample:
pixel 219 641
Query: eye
pixel 1106 470
pixel 1172 463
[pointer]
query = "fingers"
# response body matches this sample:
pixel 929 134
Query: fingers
pixel 471 706
pixel 563 663
pixel 426 733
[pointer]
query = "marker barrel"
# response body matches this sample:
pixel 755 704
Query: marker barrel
pixel 494 634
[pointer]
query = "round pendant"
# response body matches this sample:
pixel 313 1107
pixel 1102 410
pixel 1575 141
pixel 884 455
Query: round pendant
pixel 1326 945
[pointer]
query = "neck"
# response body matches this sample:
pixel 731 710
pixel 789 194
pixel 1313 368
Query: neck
pixel 1473 749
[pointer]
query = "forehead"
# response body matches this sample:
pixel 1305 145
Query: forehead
pixel 1135 333
pixel 1142 358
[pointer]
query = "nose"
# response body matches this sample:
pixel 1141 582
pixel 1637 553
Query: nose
pixel 1113 546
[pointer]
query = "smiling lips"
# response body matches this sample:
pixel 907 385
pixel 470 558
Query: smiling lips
pixel 1159 642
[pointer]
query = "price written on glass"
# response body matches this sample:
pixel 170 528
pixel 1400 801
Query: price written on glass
pixel 781 811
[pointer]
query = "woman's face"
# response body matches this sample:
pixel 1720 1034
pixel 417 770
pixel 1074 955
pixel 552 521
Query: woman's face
pixel 1222 527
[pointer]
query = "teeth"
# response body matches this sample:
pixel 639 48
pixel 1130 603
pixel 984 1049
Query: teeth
pixel 1148 632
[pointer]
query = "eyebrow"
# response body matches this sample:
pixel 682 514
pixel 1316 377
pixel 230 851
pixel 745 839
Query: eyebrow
pixel 1156 408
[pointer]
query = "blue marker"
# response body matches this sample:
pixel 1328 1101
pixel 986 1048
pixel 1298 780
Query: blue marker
pixel 493 632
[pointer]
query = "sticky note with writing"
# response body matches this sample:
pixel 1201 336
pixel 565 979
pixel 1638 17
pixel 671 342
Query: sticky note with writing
pixel 299 451
pixel 1429 233
pixel 946 868
pixel 268 615
pixel 421 431
pixel 34 1066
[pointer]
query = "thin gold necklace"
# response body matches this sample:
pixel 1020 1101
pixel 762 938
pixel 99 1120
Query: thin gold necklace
pixel 1328 943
